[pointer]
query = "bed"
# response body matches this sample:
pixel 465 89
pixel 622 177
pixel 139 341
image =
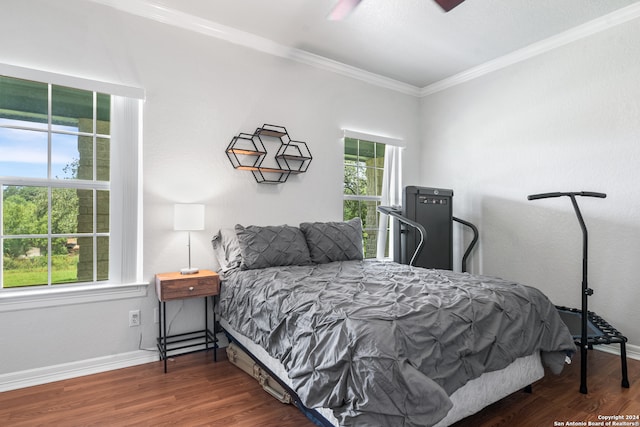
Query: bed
pixel 368 342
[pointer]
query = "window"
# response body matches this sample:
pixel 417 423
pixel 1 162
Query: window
pixel 372 177
pixel 363 179
pixel 55 171
pixel 69 161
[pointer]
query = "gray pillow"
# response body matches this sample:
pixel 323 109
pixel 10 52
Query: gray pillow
pixel 334 241
pixel 226 249
pixel 271 246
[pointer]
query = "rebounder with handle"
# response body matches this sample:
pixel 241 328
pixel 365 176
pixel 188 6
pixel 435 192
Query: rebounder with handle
pixel 586 291
pixel 577 193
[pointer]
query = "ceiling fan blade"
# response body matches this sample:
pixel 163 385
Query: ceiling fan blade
pixel 447 5
pixel 343 9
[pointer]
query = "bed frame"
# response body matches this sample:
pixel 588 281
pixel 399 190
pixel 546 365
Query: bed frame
pixel 478 393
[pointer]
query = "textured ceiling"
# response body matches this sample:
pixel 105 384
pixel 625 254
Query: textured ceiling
pixel 411 41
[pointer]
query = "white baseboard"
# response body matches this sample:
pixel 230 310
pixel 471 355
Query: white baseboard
pixel 633 351
pixel 64 371
pixel 47 374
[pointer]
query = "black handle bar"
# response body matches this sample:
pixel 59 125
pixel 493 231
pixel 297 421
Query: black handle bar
pixel 397 213
pixel 586 291
pixel 578 193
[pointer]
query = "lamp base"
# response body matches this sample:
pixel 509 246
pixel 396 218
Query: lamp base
pixel 190 270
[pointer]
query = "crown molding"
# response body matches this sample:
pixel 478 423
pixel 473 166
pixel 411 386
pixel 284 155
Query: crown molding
pixel 590 28
pixel 150 10
pixel 353 72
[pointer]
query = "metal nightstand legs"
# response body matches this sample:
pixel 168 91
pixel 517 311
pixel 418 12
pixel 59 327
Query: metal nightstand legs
pixel 168 343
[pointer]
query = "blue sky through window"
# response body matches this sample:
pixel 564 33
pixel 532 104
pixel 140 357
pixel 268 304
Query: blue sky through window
pixel 23 153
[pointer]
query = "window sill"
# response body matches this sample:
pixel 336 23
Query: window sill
pixel 14 300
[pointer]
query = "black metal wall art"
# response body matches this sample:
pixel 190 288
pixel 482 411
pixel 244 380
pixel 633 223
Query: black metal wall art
pixel 250 152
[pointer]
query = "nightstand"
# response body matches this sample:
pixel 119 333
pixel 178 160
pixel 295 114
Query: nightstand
pixel 176 286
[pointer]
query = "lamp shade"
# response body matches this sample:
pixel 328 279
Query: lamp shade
pixel 188 217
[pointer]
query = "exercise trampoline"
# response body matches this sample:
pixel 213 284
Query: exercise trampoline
pixel 599 331
pixel 588 329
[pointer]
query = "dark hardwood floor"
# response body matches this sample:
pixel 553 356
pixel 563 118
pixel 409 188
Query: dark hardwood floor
pixel 556 399
pixel 198 392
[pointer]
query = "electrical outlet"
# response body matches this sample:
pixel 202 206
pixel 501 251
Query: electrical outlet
pixel 134 318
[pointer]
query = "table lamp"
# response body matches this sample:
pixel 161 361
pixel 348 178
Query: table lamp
pixel 188 217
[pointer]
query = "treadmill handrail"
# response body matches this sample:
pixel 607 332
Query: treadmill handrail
pixel 471 245
pixel 396 213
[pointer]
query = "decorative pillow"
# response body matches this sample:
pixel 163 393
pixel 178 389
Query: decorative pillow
pixel 272 246
pixel 334 241
pixel 226 249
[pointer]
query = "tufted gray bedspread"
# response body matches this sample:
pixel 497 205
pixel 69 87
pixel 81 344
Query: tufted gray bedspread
pixel 384 344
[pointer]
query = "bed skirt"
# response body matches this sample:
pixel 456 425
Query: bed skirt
pixel 467 400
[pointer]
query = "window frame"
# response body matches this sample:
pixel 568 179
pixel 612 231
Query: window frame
pixel 125 254
pixel 380 221
pixel 369 200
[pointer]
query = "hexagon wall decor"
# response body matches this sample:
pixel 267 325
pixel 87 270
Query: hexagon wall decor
pixel 248 152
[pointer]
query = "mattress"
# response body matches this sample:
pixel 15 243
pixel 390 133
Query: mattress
pixel 467 400
pixel 382 343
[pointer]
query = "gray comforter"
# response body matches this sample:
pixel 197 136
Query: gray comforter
pixel 384 344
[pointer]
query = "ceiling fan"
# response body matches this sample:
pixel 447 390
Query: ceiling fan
pixel 345 7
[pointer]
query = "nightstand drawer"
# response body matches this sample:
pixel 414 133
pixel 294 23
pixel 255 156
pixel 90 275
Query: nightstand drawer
pixel 175 286
pixel 178 289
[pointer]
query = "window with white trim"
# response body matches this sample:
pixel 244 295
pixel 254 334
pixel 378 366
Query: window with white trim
pixel 69 185
pixel 363 174
pixel 372 177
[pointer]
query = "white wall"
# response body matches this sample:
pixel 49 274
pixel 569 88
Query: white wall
pixel 568 120
pixel 564 121
pixel 200 93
